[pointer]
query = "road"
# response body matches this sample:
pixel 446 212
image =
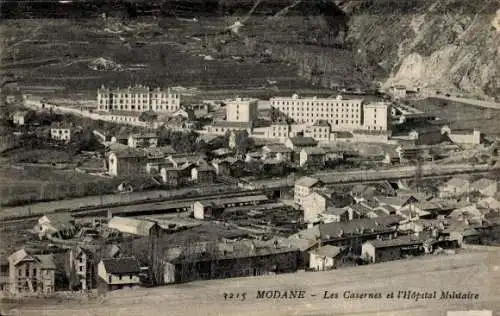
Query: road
pixel 477 272
pixel 474 102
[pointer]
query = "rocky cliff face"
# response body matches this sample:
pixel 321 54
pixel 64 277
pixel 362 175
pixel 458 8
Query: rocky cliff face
pixel 446 45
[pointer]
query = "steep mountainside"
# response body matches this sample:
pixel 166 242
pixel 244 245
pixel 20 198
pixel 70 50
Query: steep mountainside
pixel 447 45
pixel 438 44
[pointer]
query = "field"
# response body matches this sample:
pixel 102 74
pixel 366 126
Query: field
pixel 23 181
pixel 462 116
pixel 477 272
pixel 52 56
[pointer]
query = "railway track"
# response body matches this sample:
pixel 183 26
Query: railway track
pixel 102 210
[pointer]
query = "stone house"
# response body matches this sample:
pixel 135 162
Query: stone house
pixel 33 273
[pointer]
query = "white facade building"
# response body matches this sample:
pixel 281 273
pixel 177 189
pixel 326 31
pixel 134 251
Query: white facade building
pixel 341 114
pixel 61 134
pixel 137 99
pixel 241 110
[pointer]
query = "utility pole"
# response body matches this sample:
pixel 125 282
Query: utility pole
pixel 418 172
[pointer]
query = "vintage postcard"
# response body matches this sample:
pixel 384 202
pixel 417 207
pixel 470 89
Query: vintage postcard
pixel 250 157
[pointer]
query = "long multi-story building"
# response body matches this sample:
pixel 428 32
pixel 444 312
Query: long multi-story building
pixel 342 114
pixel 138 99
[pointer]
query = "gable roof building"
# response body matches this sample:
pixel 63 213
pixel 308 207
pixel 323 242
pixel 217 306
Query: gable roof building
pixel 130 225
pixel 125 265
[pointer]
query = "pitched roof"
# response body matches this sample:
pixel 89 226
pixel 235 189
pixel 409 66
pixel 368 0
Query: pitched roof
pixel 126 265
pixel 130 153
pixel 130 225
pixel 277 148
pixel 221 151
pixel 204 166
pixel 457 182
pixel 144 135
pixel 482 183
pixel 470 211
pixel 328 251
pixel 159 151
pixel 360 209
pixel 388 208
pixel 396 242
pixel 396 200
pixel 314 151
pixel 303 141
pixel 18 256
pixel 46 261
pixel 489 202
pixel 307 181
pixel 358 226
pixel 335 210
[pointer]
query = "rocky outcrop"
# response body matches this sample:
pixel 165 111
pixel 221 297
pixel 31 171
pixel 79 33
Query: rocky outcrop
pixel 444 44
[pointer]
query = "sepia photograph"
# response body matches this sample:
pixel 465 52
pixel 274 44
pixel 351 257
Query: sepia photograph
pixel 250 157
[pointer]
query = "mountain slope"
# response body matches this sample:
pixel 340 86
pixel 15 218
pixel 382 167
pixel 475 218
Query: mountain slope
pixel 443 44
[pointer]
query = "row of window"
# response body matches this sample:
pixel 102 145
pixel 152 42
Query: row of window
pixel 316 103
pixel 138 95
pixel 324 115
pixel 320 109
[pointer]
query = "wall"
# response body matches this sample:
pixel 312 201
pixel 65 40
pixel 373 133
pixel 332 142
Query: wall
pixel 320 263
pixel 341 114
pixel 300 192
pixel 109 117
pixel 241 111
pixel 313 205
pixel 101 272
pixel 198 210
pixel 472 138
pixel 368 252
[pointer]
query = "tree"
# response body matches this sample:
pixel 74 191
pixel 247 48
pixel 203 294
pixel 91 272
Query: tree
pixel 148 117
pixel 242 142
pixel 86 141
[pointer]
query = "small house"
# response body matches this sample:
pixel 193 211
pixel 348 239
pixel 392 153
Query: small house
pixel 335 215
pixel 117 273
pixel 326 257
pixel 380 250
pixel 222 167
pixel 303 187
pixel 454 187
pixel 399 92
pixel 31 273
pixel 203 173
pixel 127 162
pixel 489 203
pixel 312 157
pixel 142 140
pixel 130 225
pixel 20 118
pixel 298 143
pixel 485 187
pixel 222 153
pixel 61 132
pixel 81 268
pixel 59 225
pixel 277 151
